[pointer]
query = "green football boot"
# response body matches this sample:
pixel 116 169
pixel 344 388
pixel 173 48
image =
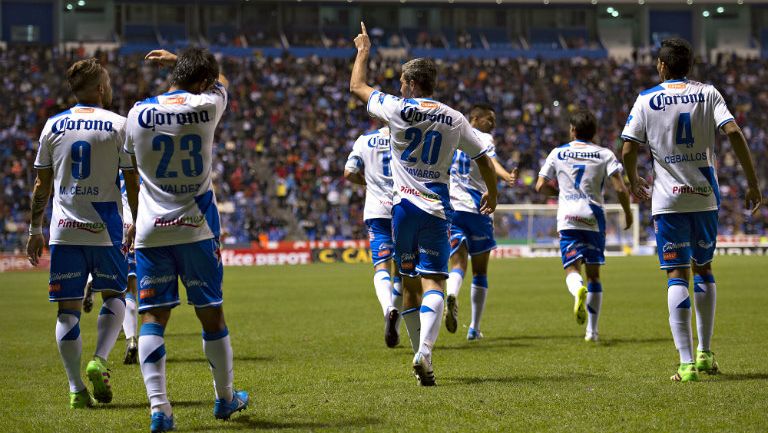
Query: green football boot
pixel 98 374
pixel 580 305
pixel 81 400
pixel 686 373
pixel 705 362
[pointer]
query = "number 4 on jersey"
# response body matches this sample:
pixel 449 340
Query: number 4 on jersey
pixel 684 134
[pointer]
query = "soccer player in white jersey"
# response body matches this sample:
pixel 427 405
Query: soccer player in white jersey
pixel 369 164
pixel 424 134
pixel 678 120
pixel 471 231
pixel 580 169
pixel 79 156
pixel 178 229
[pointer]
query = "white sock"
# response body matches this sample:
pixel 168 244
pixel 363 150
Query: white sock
pixel 383 285
pixel 108 325
pixel 455 280
pixel 152 361
pixel 397 292
pixel 679 304
pixel 705 298
pixel 218 350
pixel 413 326
pixel 574 282
pixel 431 316
pixel 70 346
pixel 131 316
pixel 594 301
pixel 478 291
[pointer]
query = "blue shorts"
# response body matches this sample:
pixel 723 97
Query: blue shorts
pixel 421 241
pixel 131 259
pixel 380 237
pixel 198 264
pixel 71 264
pixel 686 236
pixel 475 230
pixel 583 245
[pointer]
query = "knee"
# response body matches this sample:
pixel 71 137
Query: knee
pixel 480 280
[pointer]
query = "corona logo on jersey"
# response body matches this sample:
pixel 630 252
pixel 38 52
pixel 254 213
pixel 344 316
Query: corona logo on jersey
pixel 186 221
pixel 66 124
pixel 660 101
pixel 565 154
pixel 149 118
pixel 378 142
pixel 92 227
pixel 411 115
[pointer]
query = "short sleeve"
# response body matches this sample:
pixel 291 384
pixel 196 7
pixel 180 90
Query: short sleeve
pixel 44 158
pixel 489 144
pixel 721 113
pixel 635 129
pixel 470 142
pixel 355 158
pixel 548 170
pixel 612 164
pixel 383 106
pixel 218 97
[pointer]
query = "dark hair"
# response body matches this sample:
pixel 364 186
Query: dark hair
pixel 676 53
pixel 479 109
pixel 585 124
pixel 423 72
pixel 84 75
pixel 195 65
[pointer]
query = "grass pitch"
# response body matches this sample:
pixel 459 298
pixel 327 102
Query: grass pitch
pixel 309 348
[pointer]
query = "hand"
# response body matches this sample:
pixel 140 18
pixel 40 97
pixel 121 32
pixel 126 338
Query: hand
pixel 487 204
pixel 753 199
pixel 165 58
pixel 628 220
pixel 35 245
pixel 640 189
pixel 130 237
pixel 512 179
pixel 362 42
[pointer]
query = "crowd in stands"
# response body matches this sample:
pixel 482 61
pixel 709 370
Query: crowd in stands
pixel 281 147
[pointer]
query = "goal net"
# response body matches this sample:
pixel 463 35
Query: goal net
pixel 531 230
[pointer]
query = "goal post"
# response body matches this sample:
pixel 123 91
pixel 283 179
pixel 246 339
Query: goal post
pixel 532 228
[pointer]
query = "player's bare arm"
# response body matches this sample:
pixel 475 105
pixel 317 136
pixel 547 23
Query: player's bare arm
pixel 488 202
pixel 357 82
pixel 637 185
pixel 357 178
pixel 544 186
pixel 621 190
pixel 509 177
pixel 753 198
pixel 131 178
pixel 40 196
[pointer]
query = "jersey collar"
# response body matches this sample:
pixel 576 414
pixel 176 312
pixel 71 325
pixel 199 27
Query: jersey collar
pixel 79 104
pixel 581 141
pixel 681 80
pixel 175 92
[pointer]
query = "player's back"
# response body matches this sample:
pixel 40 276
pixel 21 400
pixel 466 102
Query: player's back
pixel 83 146
pixel 373 149
pixel 467 184
pixel 424 134
pixel 171 136
pixel 581 169
pixel 678 119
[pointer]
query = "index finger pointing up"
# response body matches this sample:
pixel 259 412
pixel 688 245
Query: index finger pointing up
pixel 362 27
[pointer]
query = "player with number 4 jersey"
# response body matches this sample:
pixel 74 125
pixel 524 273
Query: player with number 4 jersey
pixel 177 232
pixel 678 121
pixel 424 134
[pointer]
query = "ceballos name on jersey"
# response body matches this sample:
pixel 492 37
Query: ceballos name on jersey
pixel 67 124
pixel 149 118
pixel 412 115
pixel 660 101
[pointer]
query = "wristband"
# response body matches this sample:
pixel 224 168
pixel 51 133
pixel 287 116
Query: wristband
pixel 35 230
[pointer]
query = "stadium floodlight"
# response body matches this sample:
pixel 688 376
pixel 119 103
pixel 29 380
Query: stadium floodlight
pixel 556 103
pixel 615 14
pixel 594 2
pixel 641 2
pixel 81 3
pixel 690 2
pixel 610 9
pixel 720 9
pixel 705 14
pixel 546 2
pixel 69 6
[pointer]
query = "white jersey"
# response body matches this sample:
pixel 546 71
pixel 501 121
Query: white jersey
pixel 83 146
pixel 581 169
pixel 467 184
pixel 678 119
pixel 127 215
pixel 371 153
pixel 424 134
pixel 172 138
